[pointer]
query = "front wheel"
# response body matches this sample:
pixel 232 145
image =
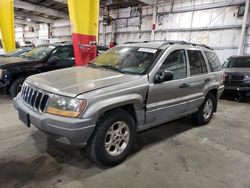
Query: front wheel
pixel 16 86
pixel 206 110
pixel 113 139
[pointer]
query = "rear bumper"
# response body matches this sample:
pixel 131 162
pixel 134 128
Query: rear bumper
pixel 66 130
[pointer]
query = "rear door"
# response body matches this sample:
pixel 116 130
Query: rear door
pixel 166 100
pixel 198 79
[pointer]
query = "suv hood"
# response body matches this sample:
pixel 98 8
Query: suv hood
pixel 77 80
pixel 12 60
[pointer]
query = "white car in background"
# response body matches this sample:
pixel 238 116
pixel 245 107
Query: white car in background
pixel 2 52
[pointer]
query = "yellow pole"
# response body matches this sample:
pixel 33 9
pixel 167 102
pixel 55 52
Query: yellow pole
pixel 84 19
pixel 7 28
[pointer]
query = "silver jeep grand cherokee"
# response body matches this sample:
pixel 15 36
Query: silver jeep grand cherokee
pixel 127 89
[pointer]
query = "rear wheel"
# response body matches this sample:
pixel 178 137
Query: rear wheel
pixel 16 86
pixel 206 110
pixel 113 139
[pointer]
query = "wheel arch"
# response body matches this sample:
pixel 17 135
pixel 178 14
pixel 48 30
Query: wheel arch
pixel 133 104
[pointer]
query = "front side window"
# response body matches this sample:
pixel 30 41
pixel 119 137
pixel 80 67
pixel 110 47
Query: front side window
pixel 176 62
pixel 65 52
pixel 131 60
pixel 197 62
pixel 39 52
pixel 213 61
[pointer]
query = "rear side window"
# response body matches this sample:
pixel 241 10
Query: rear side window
pixel 213 61
pixel 197 62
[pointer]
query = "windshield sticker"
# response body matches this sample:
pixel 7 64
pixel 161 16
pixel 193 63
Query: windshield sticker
pixel 149 50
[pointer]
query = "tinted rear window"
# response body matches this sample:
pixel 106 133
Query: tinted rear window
pixel 213 61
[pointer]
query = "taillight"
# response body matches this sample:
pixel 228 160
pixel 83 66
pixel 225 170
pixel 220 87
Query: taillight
pixel 222 80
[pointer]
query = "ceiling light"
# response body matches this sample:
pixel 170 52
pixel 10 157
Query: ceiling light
pixel 28 19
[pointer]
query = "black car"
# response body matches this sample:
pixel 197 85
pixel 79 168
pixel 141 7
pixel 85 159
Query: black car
pixel 43 58
pixel 237 75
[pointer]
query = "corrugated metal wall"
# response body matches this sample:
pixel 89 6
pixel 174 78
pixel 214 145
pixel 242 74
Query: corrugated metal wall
pixel 212 22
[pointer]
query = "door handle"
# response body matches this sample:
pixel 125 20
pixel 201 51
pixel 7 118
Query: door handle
pixel 184 85
pixel 207 80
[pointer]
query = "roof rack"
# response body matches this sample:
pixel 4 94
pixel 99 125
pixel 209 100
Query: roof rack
pixel 186 43
pixel 171 42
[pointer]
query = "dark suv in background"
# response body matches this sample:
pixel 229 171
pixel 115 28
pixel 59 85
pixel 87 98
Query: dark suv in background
pixel 237 75
pixel 43 58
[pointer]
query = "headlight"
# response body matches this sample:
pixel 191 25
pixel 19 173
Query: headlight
pixel 247 77
pixel 1 73
pixel 65 106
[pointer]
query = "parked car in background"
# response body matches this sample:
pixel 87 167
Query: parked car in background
pixel 43 58
pixel 28 44
pixel 17 52
pixel 101 49
pixel 127 89
pixel 237 75
pixel 2 52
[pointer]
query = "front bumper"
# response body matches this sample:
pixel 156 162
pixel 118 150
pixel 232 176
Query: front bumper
pixel 237 88
pixel 4 84
pixel 67 130
pixel 220 91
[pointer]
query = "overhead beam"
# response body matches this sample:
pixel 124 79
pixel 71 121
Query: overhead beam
pixel 148 2
pixel 24 22
pixel 61 1
pixel 33 17
pixel 40 9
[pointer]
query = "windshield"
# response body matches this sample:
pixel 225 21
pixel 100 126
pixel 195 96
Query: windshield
pixel 131 60
pixel 39 52
pixel 237 63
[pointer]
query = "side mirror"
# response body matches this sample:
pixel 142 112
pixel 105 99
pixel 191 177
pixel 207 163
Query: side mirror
pixel 53 60
pixel 163 76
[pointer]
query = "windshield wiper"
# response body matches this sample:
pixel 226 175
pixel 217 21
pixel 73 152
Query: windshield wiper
pixel 111 68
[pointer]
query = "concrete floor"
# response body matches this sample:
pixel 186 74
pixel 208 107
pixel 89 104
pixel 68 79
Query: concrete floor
pixel 174 155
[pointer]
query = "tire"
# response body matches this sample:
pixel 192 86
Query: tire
pixel 204 115
pixel 241 96
pixel 15 87
pixel 101 147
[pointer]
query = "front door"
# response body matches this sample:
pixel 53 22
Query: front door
pixel 167 100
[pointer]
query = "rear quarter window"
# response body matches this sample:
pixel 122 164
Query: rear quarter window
pixel 213 61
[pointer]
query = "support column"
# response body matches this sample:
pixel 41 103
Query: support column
pixel 7 24
pixel 153 29
pixel 84 19
pixel 243 30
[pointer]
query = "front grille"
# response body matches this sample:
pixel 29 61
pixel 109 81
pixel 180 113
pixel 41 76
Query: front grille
pixel 34 98
pixel 234 80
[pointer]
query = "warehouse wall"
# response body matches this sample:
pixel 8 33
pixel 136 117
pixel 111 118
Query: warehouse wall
pixel 43 33
pixel 212 22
